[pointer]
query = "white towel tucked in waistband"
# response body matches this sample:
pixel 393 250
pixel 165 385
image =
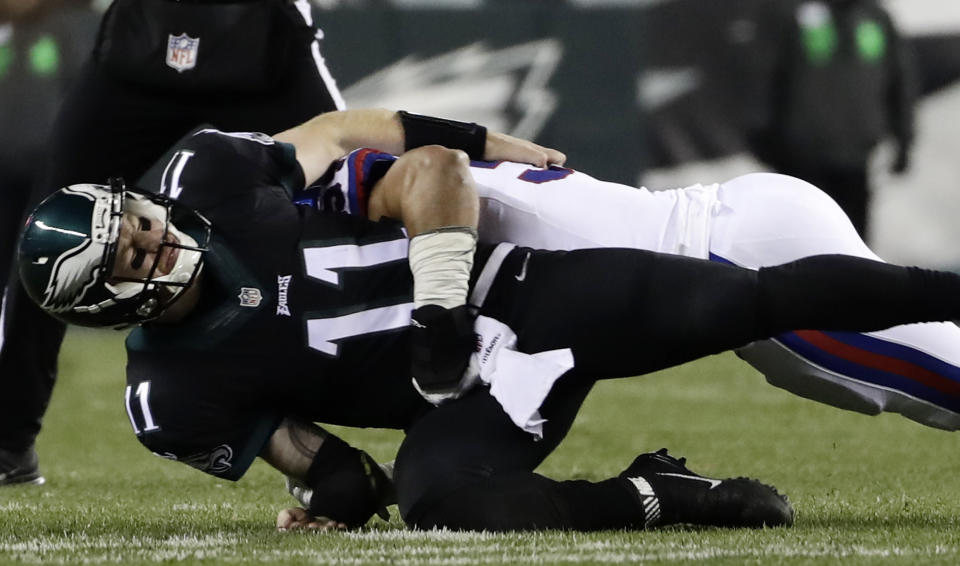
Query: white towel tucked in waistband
pixel 520 382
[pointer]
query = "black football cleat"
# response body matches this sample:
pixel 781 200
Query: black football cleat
pixel 20 468
pixel 442 342
pixel 671 494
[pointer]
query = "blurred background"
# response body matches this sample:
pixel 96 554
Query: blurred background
pixel 661 93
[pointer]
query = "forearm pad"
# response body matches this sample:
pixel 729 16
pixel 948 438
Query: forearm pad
pixel 421 130
pixel 348 485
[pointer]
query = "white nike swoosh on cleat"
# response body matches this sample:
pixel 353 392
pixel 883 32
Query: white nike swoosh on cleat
pixel 713 483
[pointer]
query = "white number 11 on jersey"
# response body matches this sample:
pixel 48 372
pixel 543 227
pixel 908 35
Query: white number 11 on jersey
pixel 325 264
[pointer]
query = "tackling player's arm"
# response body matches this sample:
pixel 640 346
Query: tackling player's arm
pixel 327 137
pixel 341 485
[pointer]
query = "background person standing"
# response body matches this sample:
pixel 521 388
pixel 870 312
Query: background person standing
pixel 159 68
pixel 42 47
pixel 842 82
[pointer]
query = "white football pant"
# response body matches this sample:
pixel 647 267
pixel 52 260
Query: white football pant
pixel 752 221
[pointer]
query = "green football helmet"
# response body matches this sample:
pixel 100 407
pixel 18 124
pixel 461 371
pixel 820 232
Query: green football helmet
pixel 68 247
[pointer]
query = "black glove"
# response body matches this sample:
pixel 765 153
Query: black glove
pixel 348 485
pixel 443 341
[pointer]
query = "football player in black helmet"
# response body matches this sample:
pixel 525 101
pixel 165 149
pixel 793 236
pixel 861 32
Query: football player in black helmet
pixel 327 298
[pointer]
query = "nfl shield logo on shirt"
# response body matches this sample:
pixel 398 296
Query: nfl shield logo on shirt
pixel 250 297
pixel 182 52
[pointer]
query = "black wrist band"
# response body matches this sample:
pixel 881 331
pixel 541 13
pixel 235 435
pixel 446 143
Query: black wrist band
pixel 420 130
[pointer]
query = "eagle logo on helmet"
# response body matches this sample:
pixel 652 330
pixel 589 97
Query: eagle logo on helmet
pixel 73 273
pixel 78 268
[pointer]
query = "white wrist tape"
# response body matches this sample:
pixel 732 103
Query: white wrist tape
pixel 441 261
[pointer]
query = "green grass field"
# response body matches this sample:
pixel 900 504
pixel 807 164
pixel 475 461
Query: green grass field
pixel 867 489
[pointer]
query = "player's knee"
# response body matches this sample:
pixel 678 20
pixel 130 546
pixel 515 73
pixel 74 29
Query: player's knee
pixel 471 506
pixel 418 489
pixel 423 484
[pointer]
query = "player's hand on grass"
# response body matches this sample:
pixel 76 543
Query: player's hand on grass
pixel 297 518
pixel 352 490
pixel 503 147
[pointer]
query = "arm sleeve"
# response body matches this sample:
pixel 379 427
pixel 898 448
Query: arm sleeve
pixel 211 424
pixel 226 458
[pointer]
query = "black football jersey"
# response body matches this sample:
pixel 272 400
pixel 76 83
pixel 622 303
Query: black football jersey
pixel 302 313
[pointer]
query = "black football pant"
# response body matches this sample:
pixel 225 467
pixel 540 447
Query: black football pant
pixel 465 465
pixel 108 128
pixel 26 368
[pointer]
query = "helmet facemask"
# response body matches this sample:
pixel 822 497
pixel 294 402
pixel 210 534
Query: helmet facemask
pixel 78 228
pixel 156 293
